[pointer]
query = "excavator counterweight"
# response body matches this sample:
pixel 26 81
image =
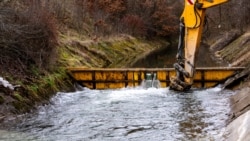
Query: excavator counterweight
pixel 191 26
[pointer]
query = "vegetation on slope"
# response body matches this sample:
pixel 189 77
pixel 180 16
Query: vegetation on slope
pixel 237 52
pixel 37 45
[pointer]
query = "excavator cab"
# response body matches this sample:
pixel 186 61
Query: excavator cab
pixel 191 26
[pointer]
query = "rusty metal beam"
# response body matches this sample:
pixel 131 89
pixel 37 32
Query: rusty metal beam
pixel 112 78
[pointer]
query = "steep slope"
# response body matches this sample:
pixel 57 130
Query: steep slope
pixel 237 53
pixel 116 51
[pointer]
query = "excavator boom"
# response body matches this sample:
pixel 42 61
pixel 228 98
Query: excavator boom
pixel 191 26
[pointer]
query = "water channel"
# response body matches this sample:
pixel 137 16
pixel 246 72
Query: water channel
pixel 128 114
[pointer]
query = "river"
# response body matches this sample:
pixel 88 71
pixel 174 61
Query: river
pixel 167 57
pixel 128 114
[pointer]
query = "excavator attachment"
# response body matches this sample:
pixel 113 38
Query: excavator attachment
pixel 191 26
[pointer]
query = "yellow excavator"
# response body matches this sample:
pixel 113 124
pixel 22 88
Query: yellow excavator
pixel 191 26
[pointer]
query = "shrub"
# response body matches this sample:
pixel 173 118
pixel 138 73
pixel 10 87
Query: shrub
pixel 27 38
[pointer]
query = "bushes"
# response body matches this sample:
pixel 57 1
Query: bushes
pixel 28 34
pixel 143 18
pixel 133 25
pixel 27 38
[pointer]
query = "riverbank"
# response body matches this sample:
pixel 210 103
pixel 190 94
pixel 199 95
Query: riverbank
pixel 40 39
pixel 238 127
pixel 38 87
pixel 234 48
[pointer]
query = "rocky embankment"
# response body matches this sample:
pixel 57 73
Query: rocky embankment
pixel 234 48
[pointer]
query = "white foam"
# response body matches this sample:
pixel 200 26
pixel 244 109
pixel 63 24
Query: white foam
pixel 215 89
pixel 6 84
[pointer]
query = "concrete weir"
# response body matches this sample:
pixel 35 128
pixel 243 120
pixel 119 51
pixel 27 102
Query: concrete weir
pixel 111 78
pixel 238 130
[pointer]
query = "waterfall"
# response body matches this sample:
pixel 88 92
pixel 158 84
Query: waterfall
pixel 151 81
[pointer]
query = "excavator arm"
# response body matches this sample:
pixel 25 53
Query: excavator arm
pixel 191 26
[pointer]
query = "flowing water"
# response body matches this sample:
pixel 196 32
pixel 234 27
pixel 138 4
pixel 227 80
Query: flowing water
pixel 129 114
